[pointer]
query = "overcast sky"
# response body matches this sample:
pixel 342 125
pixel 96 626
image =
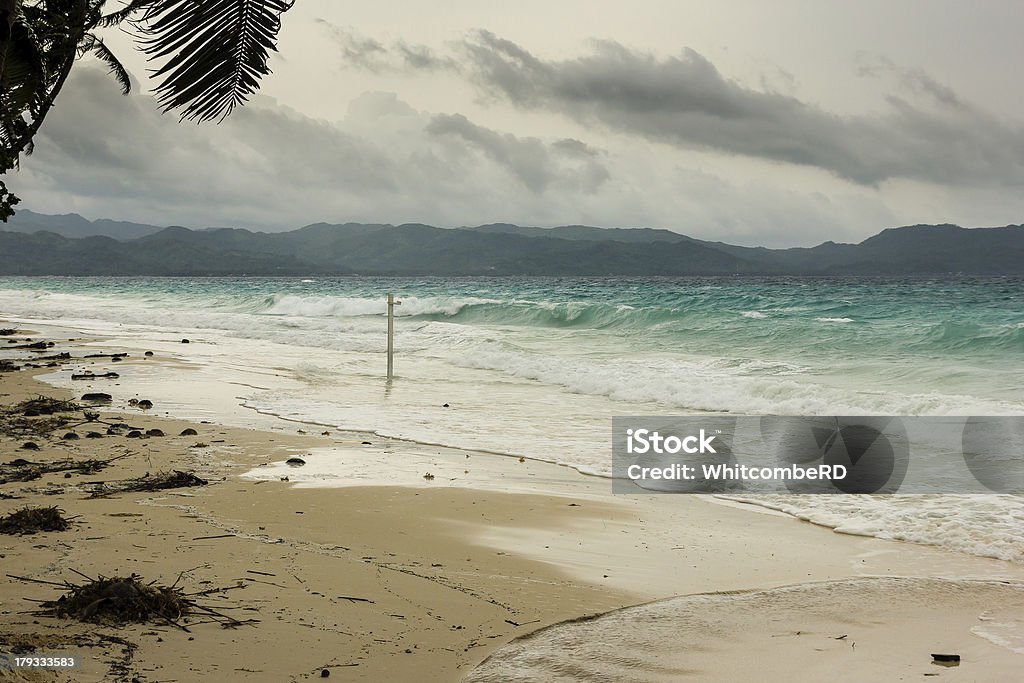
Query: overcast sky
pixel 778 123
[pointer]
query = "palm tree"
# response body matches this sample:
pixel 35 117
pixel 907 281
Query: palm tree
pixel 211 55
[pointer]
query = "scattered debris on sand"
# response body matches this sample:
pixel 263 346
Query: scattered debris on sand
pixel 20 469
pixel 119 600
pixel 122 600
pixel 150 482
pixel 36 417
pixel 31 520
pixel 44 405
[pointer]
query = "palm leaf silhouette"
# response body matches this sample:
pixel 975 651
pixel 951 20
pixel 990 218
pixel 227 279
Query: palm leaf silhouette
pixel 216 51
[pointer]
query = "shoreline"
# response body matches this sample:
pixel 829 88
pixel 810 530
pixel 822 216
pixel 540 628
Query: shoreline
pixel 452 572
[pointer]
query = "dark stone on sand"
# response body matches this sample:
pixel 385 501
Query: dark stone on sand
pixel 184 341
pixel 149 353
pixel 325 673
pixel 367 443
pixel 188 432
pixel 946 659
pixel 145 404
pixel 295 462
pixel 97 397
pixel 134 434
pixel 30 446
pixel 154 432
pixel 115 359
pixel 70 436
pixel 94 435
pixel 133 401
pixel 7 331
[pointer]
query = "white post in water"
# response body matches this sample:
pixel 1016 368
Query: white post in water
pixel 391 332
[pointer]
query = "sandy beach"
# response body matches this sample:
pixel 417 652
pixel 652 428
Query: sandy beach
pixel 426 577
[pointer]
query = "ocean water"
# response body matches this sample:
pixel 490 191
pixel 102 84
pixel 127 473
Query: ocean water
pixel 536 367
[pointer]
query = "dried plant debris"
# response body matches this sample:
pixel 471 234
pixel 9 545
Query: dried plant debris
pixel 44 405
pixel 20 469
pixel 151 482
pixel 118 601
pixel 36 417
pixel 31 520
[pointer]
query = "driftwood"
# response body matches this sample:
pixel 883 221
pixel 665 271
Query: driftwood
pixel 34 346
pixel 91 376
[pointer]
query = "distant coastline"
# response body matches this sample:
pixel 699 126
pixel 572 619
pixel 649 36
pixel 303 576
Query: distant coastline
pixel 39 244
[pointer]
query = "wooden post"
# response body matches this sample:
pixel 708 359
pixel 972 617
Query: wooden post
pixel 391 332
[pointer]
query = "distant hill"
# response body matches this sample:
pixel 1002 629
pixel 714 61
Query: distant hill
pixel 497 249
pixel 73 225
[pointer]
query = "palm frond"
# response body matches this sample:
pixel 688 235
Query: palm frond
pixel 94 44
pixel 125 13
pixel 216 51
pixel 24 69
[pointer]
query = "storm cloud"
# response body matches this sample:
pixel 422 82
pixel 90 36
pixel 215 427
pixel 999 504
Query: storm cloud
pixel 268 166
pixel 536 164
pixel 685 101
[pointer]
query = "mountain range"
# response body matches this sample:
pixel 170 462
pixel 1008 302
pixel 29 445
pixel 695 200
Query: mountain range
pixel 40 244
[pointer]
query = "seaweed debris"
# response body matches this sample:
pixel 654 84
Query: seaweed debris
pixel 31 520
pixel 119 600
pixel 36 417
pixel 20 469
pixel 150 482
pixel 122 600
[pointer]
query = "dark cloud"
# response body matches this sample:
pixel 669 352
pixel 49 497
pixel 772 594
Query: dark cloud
pixel 685 101
pixel 536 164
pixel 267 166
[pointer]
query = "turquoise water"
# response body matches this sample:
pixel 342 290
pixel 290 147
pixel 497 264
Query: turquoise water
pixel 962 337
